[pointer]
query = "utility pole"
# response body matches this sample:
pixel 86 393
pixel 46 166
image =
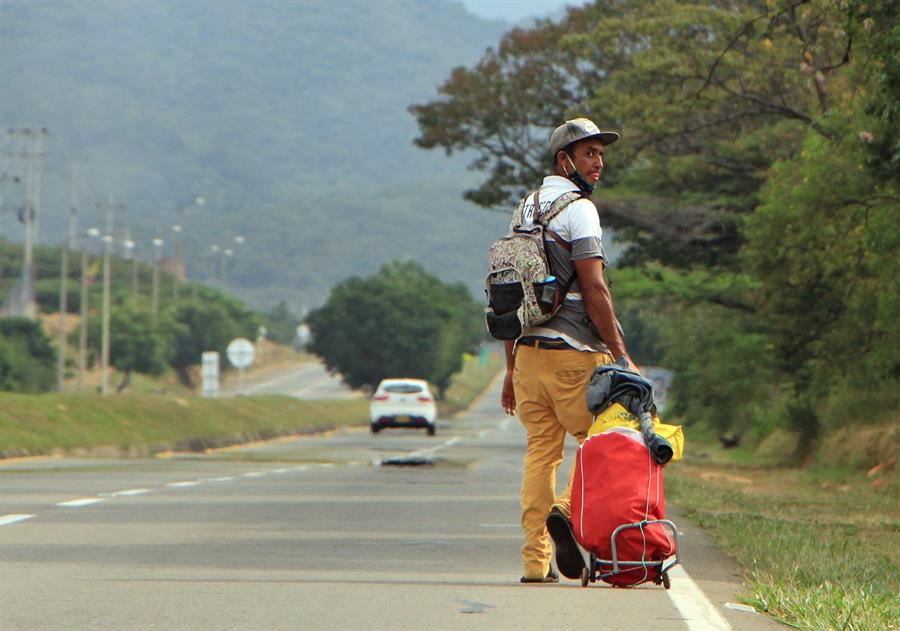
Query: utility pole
pixel 33 136
pixel 107 282
pixel 64 299
pixel 157 252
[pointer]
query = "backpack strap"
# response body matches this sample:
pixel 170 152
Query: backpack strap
pixel 558 205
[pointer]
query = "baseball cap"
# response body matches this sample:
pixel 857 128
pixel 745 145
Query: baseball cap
pixel 578 129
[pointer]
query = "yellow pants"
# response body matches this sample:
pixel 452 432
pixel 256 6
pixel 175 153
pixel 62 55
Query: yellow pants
pixel 550 387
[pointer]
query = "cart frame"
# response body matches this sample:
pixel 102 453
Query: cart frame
pixel 592 572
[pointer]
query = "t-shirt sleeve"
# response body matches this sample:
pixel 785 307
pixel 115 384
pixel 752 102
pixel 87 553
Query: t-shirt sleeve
pixel 581 227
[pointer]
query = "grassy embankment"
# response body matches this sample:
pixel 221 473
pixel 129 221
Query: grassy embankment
pixel 820 546
pixel 154 416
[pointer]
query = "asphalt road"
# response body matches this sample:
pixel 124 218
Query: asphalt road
pixel 303 381
pixel 314 533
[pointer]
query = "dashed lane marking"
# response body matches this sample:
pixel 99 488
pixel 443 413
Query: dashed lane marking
pixel 125 493
pixel 6 520
pixel 178 485
pixel 85 501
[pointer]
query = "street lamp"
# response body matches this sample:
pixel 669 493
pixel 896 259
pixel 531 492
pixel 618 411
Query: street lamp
pixel 83 308
pixel 157 254
pixel 131 248
pixel 178 229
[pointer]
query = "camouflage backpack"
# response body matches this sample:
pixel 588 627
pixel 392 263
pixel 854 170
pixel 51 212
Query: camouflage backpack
pixel 521 289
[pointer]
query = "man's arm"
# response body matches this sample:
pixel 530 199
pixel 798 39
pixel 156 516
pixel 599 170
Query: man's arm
pixel 508 395
pixel 598 303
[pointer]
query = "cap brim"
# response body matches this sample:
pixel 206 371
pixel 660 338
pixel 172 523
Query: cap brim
pixel 606 137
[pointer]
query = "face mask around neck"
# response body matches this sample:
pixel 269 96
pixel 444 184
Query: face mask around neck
pixel 582 184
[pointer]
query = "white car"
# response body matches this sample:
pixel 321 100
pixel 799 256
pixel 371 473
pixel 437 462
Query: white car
pixel 403 403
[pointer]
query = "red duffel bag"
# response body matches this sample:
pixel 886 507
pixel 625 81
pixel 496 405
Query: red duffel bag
pixel 617 482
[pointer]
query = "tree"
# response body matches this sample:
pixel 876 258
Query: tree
pixel 197 326
pixel 399 322
pixel 281 324
pixel 136 344
pixel 27 358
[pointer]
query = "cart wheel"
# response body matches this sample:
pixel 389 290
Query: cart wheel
pixel 665 580
pixel 585 576
pixel 593 567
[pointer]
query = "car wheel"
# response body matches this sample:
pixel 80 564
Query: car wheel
pixel 375 429
pixel 431 430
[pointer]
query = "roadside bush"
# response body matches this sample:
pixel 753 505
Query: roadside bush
pixel 27 357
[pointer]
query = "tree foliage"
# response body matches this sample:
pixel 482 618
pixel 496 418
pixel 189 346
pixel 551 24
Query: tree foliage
pixel 399 322
pixel 27 357
pixel 136 343
pixel 756 183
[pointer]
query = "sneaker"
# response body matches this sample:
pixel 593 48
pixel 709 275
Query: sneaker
pixel 568 556
pixel 552 577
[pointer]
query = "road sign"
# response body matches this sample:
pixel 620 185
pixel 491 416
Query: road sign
pixel 210 373
pixel 241 353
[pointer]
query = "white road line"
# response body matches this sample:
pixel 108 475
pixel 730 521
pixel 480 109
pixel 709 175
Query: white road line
pixel 484 433
pixel 87 501
pixel 225 478
pixel 178 485
pixel 6 520
pixel 131 492
pixel 301 468
pixel 254 474
pixel 285 470
pixel 698 612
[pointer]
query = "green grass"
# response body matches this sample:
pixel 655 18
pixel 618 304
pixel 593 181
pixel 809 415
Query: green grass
pixel 41 424
pixel 154 416
pixel 469 382
pixel 820 548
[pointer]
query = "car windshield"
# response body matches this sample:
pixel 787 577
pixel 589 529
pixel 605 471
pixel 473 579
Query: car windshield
pixel 403 388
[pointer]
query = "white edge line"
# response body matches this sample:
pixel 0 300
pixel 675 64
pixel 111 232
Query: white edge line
pixel 6 520
pixel 178 485
pixel 254 474
pixel 699 613
pixel 86 501
pixel 225 478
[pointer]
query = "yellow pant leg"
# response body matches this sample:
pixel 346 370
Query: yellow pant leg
pixel 550 395
pixel 569 395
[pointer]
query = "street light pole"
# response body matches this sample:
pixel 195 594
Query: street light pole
pixel 131 247
pixel 63 302
pixel 178 229
pixel 157 252
pixel 83 303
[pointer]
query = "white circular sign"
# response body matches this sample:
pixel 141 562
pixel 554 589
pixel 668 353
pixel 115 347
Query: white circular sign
pixel 240 353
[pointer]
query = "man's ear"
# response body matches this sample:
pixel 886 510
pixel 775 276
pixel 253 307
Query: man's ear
pixel 561 156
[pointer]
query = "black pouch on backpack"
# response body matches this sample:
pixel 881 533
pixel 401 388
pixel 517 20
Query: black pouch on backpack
pixel 505 326
pixel 506 297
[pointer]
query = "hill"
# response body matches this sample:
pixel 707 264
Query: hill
pixel 288 118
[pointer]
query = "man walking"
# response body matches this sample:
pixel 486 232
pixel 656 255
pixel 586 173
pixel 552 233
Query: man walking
pixel 548 368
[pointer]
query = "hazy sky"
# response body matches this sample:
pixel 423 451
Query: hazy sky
pixel 515 10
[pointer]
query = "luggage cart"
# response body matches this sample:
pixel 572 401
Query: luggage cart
pixel 598 569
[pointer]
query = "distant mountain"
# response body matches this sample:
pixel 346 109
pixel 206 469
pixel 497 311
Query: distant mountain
pixel 289 118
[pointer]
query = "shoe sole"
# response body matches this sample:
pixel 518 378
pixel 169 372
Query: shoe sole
pixel 569 561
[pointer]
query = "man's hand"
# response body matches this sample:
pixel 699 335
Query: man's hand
pixel 508 395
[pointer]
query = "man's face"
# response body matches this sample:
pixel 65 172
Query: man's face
pixel 588 159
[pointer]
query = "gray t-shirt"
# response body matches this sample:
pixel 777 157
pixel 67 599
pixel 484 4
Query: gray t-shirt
pixel 579 225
